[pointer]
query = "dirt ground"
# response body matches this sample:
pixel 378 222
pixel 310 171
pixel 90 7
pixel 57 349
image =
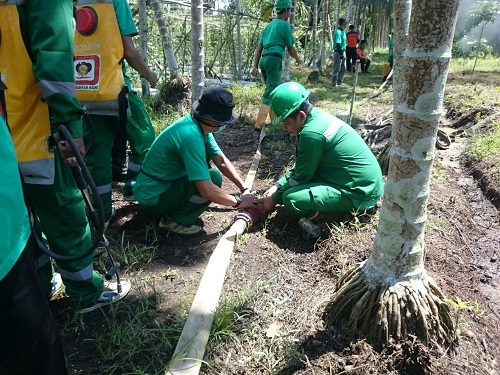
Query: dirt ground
pixel 298 277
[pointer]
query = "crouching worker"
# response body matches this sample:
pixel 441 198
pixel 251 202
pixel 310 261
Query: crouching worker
pixel 176 181
pixel 334 171
pixel 365 61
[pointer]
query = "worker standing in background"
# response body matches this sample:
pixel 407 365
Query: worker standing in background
pixel 352 37
pixel 339 46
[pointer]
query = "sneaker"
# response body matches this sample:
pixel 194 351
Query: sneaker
pixel 108 296
pixel 57 284
pixel 181 230
pixel 127 192
pixel 111 217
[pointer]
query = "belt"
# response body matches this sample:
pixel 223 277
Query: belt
pixel 273 54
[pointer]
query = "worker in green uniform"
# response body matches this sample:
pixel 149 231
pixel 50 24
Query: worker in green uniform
pixel 334 170
pixel 28 329
pixel 270 52
pixel 140 134
pixel 116 34
pixel 339 47
pixel 390 59
pixel 36 58
pixel 176 180
pixel 139 130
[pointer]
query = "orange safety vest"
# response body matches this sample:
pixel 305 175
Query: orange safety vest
pixel 98 56
pixel 352 39
pixel 28 115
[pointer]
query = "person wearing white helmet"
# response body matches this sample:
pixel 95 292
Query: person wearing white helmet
pixel 334 171
pixel 270 52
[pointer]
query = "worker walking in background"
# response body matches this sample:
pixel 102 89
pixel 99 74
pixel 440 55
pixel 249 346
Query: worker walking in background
pixel 270 52
pixel 352 37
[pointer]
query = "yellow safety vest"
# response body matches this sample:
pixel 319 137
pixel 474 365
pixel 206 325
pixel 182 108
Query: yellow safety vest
pixel 28 115
pixel 98 55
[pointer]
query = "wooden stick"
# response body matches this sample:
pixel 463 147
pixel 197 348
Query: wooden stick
pixel 353 96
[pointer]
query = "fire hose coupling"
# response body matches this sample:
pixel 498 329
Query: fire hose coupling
pixel 251 215
pixel 245 216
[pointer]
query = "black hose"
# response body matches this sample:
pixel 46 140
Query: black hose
pixel 83 180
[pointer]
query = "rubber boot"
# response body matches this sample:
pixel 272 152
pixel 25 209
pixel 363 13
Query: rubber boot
pixel 261 116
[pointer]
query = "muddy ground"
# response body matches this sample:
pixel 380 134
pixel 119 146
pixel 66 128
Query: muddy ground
pixel 297 277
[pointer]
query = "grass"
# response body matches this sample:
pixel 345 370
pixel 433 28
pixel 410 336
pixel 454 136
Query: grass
pixel 139 338
pixel 136 342
pixel 484 146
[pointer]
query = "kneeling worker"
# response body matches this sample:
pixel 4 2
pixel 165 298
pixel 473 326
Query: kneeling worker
pixel 334 171
pixel 176 180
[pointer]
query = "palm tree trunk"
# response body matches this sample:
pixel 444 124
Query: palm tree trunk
pixel 391 295
pixel 163 27
pixel 197 50
pixel 143 41
pixel 285 75
pixel 478 46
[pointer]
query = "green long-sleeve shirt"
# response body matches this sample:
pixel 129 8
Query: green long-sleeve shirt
pixel 330 151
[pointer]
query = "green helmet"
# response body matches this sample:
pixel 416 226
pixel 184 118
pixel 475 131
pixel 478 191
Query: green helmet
pixel 283 4
pixel 285 99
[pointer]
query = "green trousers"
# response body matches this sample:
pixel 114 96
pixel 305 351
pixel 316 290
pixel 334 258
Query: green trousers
pixel 98 157
pixel 60 213
pixel 140 135
pixel 307 199
pixel 270 67
pixel 182 201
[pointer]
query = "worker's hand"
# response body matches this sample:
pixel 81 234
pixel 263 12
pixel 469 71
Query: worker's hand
pixel 298 61
pixel 153 79
pixel 248 200
pixel 67 153
pixel 254 71
pixel 246 191
pixel 268 204
pixel 270 191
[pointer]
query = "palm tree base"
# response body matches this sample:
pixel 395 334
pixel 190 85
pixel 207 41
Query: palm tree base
pixel 385 312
